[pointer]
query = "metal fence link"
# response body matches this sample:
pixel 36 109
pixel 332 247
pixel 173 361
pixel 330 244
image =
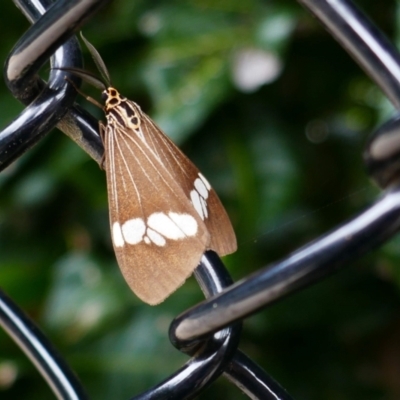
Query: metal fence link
pixel 209 332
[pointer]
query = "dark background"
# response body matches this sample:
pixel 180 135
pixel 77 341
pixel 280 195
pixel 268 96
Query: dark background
pixel 286 160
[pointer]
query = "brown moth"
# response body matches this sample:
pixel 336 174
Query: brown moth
pixel 163 212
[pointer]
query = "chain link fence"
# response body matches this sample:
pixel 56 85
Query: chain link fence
pixel 209 332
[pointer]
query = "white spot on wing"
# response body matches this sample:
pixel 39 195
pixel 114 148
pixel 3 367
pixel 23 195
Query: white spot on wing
pixel 133 230
pixel 185 222
pixel 164 225
pixel 159 227
pixel 195 197
pixel 117 235
pixel 200 195
pixel 201 188
pixel 205 181
pixel 204 207
pixel 155 237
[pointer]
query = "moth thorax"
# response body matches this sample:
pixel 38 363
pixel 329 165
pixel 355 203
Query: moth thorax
pixel 112 98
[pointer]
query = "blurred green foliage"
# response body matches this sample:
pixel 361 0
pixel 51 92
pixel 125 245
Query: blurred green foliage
pixel 285 157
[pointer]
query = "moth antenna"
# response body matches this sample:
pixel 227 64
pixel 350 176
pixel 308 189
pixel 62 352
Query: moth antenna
pixel 86 76
pixel 101 66
pixel 88 98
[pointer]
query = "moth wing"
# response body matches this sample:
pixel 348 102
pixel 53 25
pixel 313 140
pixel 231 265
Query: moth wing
pixel 157 236
pixel 197 190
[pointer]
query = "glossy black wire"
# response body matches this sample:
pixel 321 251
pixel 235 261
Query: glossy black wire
pixel 78 124
pixel 253 380
pixel 300 269
pixel 380 59
pixel 382 153
pixel 363 41
pixel 34 122
pixel 37 347
pixel 210 357
pixel 42 114
pixel 36 46
pixel 48 104
pixel 372 50
pixel 205 332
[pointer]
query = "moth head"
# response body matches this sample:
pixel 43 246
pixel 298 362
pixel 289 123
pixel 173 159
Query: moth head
pixel 112 98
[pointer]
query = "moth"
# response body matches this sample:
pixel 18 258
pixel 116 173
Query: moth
pixel 164 214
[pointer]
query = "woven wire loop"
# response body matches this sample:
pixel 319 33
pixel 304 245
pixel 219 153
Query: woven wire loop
pixel 210 331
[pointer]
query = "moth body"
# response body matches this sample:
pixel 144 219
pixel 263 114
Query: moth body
pixel 164 214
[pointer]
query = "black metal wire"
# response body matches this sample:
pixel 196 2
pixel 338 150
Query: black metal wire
pixel 253 380
pixel 211 356
pixel 382 153
pixel 363 41
pixel 37 347
pixel 300 269
pixel 48 104
pixel 210 331
pixel 373 51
